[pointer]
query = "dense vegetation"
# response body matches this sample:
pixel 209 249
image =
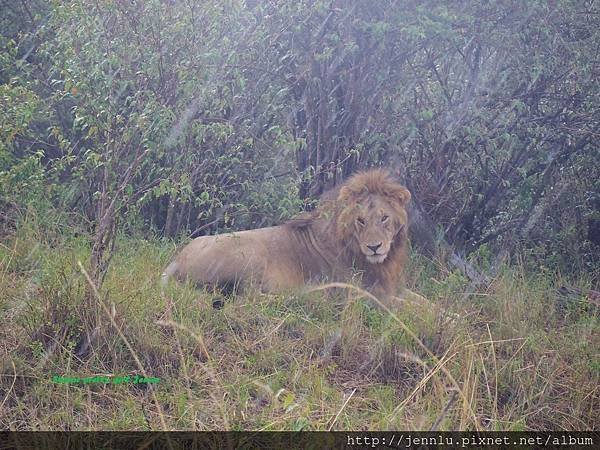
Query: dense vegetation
pixel 124 124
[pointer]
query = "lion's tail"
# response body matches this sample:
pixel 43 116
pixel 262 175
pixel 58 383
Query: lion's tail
pixel 168 273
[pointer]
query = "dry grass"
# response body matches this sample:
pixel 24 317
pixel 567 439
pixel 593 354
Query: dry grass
pixel 508 357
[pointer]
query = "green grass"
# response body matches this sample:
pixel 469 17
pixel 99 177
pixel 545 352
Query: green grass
pixel 507 357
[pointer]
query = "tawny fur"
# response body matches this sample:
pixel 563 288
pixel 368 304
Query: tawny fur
pixel 330 243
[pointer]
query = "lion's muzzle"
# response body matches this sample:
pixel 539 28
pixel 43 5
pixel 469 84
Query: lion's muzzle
pixel 375 254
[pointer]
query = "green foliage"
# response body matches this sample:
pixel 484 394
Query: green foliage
pixel 19 170
pixel 201 117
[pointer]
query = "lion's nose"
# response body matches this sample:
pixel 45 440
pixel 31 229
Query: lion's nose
pixel 374 248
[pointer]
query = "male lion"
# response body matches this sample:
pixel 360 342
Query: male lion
pixel 360 226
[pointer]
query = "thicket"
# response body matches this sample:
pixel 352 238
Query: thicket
pixel 182 117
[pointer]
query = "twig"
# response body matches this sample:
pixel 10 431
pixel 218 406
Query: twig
pixel 341 409
pixel 444 412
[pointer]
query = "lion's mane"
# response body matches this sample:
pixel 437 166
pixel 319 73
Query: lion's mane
pixel 337 209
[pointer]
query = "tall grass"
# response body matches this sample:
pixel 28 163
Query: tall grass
pixel 510 356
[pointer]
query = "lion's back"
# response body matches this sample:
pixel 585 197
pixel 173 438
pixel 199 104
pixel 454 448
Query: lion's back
pixel 266 256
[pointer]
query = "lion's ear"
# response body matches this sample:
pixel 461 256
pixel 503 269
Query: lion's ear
pixel 402 195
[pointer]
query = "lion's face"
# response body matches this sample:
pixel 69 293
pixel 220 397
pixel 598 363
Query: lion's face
pixel 372 218
pixel 376 225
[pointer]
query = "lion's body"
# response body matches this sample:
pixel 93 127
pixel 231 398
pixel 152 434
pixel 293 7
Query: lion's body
pixel 275 258
pixel 358 228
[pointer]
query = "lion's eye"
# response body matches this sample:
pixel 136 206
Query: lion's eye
pixel 360 221
pixel 384 219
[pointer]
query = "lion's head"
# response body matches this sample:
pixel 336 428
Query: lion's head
pixel 371 215
pixel 364 223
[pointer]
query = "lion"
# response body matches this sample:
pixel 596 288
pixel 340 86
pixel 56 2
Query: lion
pixel 359 227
